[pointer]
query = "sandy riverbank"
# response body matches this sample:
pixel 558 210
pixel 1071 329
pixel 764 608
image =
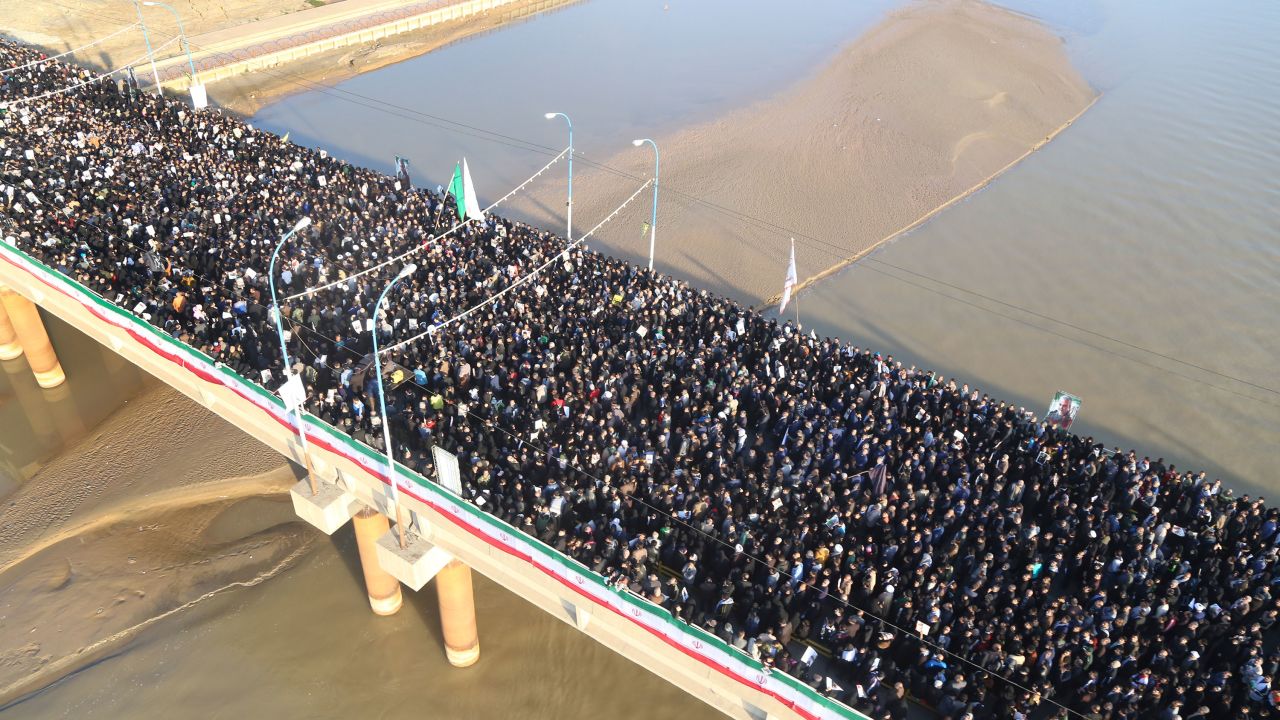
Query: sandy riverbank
pixel 159 507
pixel 246 94
pixel 929 105
pixel 61 25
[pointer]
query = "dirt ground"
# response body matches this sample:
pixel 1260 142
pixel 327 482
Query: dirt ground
pixel 61 25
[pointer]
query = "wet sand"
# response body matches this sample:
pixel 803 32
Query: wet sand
pixel 928 106
pixel 160 507
pixel 122 565
pixel 155 443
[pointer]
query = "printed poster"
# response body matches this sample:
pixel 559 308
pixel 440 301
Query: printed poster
pixel 1063 410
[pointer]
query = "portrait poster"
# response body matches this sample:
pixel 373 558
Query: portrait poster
pixel 1063 410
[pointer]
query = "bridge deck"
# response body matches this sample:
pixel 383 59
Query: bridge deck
pixel 687 656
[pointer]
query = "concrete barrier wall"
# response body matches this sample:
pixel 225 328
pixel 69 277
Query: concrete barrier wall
pixel 690 658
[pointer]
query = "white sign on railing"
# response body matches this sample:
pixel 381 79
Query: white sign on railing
pixel 447 469
pixel 199 97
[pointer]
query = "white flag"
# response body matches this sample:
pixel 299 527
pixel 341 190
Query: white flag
pixel 469 194
pixel 790 282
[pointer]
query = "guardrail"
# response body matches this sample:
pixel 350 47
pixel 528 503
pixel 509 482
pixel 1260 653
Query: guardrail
pixel 686 655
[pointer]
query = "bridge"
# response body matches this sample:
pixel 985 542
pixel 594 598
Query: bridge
pixel 445 536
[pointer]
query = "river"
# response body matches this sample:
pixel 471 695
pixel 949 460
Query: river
pixel 1134 261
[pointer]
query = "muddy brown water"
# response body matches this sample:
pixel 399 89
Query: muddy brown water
pixel 1152 227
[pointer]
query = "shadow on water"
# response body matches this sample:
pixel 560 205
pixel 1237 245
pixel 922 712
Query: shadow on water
pixel 343 542
pixel 36 424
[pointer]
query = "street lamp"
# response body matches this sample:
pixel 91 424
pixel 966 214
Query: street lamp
pixel 181 33
pixel 405 272
pixel 147 37
pixel 653 223
pixel 551 116
pixel 284 350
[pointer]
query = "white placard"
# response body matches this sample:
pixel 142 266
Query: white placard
pixel 293 393
pixel 809 656
pixel 447 471
pixel 199 97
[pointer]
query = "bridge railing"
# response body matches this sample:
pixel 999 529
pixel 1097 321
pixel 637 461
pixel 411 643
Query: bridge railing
pixel 710 650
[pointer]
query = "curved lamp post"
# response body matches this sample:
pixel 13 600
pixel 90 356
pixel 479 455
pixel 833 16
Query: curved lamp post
pixel 182 33
pixel 150 54
pixel 653 222
pixel 284 350
pixel 568 236
pixel 405 272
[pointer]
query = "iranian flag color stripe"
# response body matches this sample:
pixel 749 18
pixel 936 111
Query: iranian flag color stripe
pixel 692 641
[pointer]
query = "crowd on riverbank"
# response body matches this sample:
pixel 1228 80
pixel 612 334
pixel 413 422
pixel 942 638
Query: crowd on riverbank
pixel 773 487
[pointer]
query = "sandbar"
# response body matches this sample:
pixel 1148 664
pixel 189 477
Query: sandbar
pixel 928 106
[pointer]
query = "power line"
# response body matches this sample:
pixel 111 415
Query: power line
pixel 99 41
pixel 835 250
pixel 428 241
pixel 578 469
pixel 527 277
pixel 95 77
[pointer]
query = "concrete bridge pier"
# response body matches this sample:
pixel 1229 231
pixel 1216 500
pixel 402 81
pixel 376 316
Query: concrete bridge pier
pixel 383 588
pixel 386 564
pixel 458 614
pixel 10 348
pixel 24 318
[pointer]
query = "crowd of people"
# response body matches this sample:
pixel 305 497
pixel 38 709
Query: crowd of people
pixel 780 490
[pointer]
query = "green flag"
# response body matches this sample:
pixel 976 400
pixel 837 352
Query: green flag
pixel 456 190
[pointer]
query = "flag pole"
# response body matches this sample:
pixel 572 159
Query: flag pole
pixel 797 298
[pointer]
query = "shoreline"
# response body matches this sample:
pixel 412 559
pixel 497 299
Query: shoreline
pixel 880 139
pixel 963 142
pixel 836 268
pixel 245 95
pixel 131 525
pixel 55 30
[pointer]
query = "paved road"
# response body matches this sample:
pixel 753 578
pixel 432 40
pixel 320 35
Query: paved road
pixel 243 42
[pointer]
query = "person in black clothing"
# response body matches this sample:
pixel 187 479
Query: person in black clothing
pixel 767 485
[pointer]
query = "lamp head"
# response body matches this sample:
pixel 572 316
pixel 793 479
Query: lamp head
pixel 550 116
pixel 637 143
pixel 148 3
pixel 407 270
pixel 304 222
